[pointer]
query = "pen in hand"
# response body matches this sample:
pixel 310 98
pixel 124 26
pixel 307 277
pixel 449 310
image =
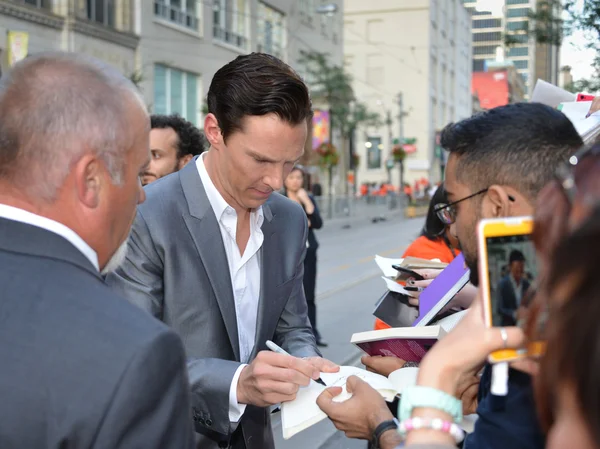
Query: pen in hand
pixel 275 348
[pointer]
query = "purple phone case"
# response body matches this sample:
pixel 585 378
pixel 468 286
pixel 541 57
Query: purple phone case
pixel 442 289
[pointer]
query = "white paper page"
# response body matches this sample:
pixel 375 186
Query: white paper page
pixel 380 383
pixel 576 112
pixel 393 286
pixel 303 411
pixel 385 265
pixel 550 95
pixel 404 377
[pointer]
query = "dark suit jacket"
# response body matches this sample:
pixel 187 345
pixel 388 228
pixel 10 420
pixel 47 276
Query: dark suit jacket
pixel 79 366
pixel 507 300
pixel 177 269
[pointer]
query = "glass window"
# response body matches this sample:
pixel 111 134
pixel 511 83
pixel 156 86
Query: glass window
pixel 181 12
pixel 271 31
pixel 521 64
pixel 487 37
pixel 101 11
pixel 485 50
pixel 229 22
pixel 518 12
pixel 176 91
pixel 517 2
pixel 374 147
pixel 478 65
pixel 487 23
pixel 518 51
pixel 521 25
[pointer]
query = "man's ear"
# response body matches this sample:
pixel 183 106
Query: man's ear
pixel 183 161
pixel 212 131
pixel 496 203
pixel 89 180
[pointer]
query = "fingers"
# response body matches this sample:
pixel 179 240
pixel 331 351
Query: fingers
pixel 323 365
pixel 325 400
pixel 423 284
pixel 353 384
pixel 413 301
pixel 429 273
pixel 383 365
pixel 515 338
pixel 284 368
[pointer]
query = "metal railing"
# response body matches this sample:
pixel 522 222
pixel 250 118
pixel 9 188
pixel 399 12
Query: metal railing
pixel 369 207
pixel 229 37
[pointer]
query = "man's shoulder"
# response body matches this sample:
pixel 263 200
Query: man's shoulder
pixel 161 194
pixel 282 207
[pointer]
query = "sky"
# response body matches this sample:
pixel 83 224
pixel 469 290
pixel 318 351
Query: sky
pixel 574 53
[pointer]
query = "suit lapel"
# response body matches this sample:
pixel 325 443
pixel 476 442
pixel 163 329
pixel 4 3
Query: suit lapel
pixel 269 274
pixel 205 232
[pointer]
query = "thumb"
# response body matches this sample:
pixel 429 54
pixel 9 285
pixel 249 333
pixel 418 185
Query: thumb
pixel 353 383
pixel 326 398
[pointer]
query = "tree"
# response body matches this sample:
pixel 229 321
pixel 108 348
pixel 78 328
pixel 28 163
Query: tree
pixel 547 26
pixel 333 85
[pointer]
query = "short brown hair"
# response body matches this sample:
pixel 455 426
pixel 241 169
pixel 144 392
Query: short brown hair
pixel 257 84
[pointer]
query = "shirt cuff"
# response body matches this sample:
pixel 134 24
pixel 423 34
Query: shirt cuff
pixel 236 410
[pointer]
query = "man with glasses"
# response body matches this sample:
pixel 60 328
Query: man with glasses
pixel 498 163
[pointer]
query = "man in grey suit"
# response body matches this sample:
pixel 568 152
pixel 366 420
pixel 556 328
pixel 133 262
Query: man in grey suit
pixel 217 255
pixel 80 367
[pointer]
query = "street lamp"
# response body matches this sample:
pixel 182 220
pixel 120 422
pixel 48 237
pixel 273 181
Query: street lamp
pixel 328 9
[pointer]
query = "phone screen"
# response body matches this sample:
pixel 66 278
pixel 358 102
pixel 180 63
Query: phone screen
pixel 512 277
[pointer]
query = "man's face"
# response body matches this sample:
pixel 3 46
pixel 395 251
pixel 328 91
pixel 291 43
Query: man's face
pixel 163 148
pixel 256 160
pixel 468 214
pixel 517 269
pixel 120 202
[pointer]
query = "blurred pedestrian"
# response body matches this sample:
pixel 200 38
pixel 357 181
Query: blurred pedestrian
pixel 295 192
pixel 81 367
pixel 173 143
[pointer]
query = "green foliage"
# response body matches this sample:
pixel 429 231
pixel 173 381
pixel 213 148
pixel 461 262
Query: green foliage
pixel 333 85
pixel 547 26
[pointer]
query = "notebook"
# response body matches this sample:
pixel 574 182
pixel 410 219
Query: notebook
pixel 441 290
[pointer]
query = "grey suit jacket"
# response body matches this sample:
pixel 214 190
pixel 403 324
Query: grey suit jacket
pixel 79 366
pixel 177 269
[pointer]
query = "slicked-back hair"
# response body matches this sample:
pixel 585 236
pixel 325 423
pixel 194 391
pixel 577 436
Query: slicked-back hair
pixel 56 106
pixel 257 84
pixel 518 145
pixel 190 139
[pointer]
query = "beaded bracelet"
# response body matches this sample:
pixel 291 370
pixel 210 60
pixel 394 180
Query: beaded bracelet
pixel 434 424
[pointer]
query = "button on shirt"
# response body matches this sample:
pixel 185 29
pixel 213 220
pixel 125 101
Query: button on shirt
pixel 244 270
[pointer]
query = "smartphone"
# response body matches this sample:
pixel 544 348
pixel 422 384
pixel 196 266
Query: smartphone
pixel 406 273
pixel 507 275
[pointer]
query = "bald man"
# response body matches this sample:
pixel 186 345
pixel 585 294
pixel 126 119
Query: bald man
pixel 80 367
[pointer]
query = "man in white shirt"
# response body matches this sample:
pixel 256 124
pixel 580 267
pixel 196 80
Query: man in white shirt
pixel 217 255
pixel 81 368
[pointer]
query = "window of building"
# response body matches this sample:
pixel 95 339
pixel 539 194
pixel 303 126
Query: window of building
pixel 271 31
pixel 519 38
pixel 230 22
pixel 46 4
pixel 517 2
pixel 487 23
pixel 518 51
pixel 375 31
pixel 101 11
pixel 374 147
pixel 307 10
pixel 487 37
pixel 485 50
pixel 518 12
pixel 478 65
pixel 521 25
pixel 375 70
pixel 176 91
pixel 521 64
pixel 181 12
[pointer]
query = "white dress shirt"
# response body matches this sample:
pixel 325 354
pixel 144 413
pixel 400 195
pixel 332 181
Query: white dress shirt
pixel 244 270
pixel 23 216
pixel 518 289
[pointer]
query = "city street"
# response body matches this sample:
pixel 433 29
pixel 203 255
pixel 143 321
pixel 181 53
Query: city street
pixel 348 285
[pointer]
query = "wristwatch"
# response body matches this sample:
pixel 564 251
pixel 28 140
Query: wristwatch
pixel 381 429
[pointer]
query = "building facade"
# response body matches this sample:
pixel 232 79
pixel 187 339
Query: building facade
pixel 410 61
pixel 500 31
pixel 172 48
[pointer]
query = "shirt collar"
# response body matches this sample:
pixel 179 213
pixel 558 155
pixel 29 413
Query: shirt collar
pixel 23 216
pixel 216 200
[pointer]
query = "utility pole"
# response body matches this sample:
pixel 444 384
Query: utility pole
pixel 401 115
pixel 389 123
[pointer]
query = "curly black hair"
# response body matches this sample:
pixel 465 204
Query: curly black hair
pixel 191 139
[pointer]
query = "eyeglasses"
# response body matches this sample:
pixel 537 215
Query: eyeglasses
pixel 575 167
pixel 447 212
